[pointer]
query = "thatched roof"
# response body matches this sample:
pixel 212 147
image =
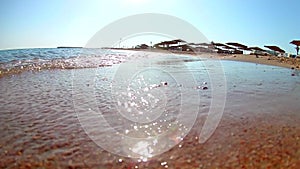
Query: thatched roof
pixel 275 48
pixel 295 42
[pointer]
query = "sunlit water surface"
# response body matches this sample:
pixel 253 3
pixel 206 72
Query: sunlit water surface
pixel 51 117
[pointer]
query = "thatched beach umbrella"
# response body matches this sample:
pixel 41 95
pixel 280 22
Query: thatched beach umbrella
pixel 238 45
pixel 185 47
pixel 222 48
pixel 165 44
pixel 228 47
pixel 275 48
pixel 256 48
pixel 204 44
pixel 170 42
pixel 179 40
pixel 158 45
pixel 219 44
pixel 297 43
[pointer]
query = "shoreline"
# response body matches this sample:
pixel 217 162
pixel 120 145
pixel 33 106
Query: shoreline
pixel 285 62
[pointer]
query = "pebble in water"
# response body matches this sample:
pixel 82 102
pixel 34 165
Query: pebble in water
pixel 163 163
pixel 164 83
pixel 202 87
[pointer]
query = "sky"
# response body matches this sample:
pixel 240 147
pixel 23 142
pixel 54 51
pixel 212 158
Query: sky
pixel 52 23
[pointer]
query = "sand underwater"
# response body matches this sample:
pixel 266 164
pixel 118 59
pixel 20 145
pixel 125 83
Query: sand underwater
pixel 259 128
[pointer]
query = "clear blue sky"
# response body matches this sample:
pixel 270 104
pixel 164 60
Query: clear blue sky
pixel 51 23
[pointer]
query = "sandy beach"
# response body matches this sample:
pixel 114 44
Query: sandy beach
pixel 293 63
pixel 267 60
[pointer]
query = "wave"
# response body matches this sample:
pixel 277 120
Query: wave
pixel 63 59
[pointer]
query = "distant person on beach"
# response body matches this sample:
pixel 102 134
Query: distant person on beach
pixel 297 49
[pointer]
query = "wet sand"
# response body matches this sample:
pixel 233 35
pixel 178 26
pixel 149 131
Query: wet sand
pixel 259 129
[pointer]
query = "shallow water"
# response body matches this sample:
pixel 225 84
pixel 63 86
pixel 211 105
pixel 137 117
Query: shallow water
pixel 20 60
pixel 52 53
pixel 49 118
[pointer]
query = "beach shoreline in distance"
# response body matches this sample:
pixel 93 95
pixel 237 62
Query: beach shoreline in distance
pixel 293 63
pixel 286 62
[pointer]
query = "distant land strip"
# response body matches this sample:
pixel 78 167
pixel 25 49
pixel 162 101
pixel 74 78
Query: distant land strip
pixel 67 47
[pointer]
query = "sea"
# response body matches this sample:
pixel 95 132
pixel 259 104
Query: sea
pixel 102 108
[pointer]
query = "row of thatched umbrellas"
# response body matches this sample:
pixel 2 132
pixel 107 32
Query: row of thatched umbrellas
pixel 273 48
pixel 244 47
pixel 236 46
